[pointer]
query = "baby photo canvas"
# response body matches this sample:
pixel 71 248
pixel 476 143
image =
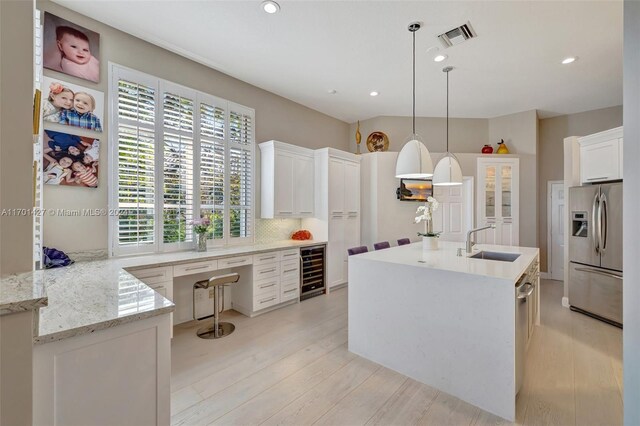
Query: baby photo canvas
pixel 72 105
pixel 70 159
pixel 70 48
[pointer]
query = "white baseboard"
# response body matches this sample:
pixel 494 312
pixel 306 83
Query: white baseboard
pixel 565 302
pixel 545 275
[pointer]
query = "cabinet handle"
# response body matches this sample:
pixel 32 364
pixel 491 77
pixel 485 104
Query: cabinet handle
pixel 196 267
pixel 268 270
pixel 289 291
pixel 267 258
pixel 268 300
pixel 306 212
pixel 237 261
pixel 595 271
pixel 153 276
pixel 599 178
pixel 267 286
pixel 290 270
pixel 281 212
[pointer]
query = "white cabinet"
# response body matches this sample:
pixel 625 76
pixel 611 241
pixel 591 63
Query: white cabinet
pixel 287 180
pixel 499 200
pixel 601 156
pixel 337 209
pixel 160 279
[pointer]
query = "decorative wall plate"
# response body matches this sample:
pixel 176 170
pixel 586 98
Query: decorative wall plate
pixel 377 141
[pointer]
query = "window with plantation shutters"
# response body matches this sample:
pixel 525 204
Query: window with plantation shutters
pixel 177 154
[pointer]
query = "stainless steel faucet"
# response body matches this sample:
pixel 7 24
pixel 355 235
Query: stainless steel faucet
pixel 470 243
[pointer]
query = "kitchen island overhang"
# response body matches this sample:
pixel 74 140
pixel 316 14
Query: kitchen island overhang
pixel 446 321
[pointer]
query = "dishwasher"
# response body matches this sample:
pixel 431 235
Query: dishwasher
pixel 524 289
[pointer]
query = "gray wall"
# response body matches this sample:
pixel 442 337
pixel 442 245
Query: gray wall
pixel 551 154
pixel 16 129
pixel 631 333
pixel 276 118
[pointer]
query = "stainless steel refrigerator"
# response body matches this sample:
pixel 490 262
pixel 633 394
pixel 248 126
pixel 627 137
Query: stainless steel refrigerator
pixel 595 251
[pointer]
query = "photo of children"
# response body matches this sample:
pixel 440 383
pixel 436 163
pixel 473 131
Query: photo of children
pixel 70 48
pixel 72 105
pixel 70 159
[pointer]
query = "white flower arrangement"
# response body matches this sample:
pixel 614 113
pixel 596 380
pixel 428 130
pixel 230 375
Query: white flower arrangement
pixel 425 214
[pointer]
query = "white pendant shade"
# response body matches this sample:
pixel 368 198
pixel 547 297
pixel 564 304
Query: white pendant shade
pixel 414 161
pixel 447 171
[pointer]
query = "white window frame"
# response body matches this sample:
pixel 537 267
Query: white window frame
pixel 117 72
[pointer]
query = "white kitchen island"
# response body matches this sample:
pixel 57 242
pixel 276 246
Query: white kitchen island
pixel 444 320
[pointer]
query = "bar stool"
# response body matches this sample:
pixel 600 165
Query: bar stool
pixel 404 241
pixel 382 245
pixel 217 329
pixel 357 250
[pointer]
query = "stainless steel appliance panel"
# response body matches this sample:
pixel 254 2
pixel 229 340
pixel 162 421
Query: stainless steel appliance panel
pixel 611 219
pixel 596 290
pixel 583 239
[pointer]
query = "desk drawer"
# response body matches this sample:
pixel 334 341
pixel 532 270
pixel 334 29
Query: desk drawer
pixel 266 300
pixel 194 268
pixel 153 275
pixel 291 254
pixel 264 258
pixel 268 270
pixel 289 290
pixel 290 270
pixel 231 262
pixel 266 286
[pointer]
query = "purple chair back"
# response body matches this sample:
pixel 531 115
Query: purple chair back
pixel 404 241
pixel 357 250
pixel 381 246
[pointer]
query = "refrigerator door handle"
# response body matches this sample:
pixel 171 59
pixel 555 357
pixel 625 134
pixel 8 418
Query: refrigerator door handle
pixel 594 223
pixel 599 272
pixel 603 221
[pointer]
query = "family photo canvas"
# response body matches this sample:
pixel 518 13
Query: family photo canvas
pixel 70 48
pixel 72 105
pixel 70 159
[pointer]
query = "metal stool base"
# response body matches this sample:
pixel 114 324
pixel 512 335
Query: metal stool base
pixel 208 332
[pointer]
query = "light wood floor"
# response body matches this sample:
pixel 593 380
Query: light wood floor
pixel 291 366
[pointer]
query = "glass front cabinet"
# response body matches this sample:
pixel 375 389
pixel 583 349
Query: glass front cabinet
pixel 498 200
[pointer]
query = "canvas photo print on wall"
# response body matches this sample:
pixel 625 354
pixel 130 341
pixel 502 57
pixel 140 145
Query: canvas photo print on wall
pixel 70 159
pixel 72 105
pixel 70 48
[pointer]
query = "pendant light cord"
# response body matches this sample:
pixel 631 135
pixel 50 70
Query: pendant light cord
pixel 414 82
pixel 447 111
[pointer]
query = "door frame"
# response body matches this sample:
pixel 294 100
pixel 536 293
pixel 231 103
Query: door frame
pixel 550 183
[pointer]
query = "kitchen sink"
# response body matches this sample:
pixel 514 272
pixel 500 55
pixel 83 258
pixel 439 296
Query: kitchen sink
pixel 494 255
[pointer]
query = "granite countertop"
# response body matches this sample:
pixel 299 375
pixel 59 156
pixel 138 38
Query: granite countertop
pixel 17 295
pixel 94 295
pixel 446 258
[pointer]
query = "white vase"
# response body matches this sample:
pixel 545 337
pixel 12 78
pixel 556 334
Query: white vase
pixel 429 243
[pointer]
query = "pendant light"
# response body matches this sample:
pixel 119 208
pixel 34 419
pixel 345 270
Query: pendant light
pixel 447 172
pixel 414 160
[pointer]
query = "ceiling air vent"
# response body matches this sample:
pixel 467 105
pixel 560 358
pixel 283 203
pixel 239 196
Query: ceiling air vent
pixel 457 35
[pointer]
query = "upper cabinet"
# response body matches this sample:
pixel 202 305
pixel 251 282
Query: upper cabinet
pixel 601 156
pixel 287 180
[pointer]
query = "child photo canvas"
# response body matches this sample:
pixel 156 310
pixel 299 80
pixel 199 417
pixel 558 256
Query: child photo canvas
pixel 72 105
pixel 70 48
pixel 70 159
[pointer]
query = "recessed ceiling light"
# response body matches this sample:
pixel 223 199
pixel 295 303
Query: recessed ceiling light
pixel 440 57
pixel 374 93
pixel 332 91
pixel 569 60
pixel 270 6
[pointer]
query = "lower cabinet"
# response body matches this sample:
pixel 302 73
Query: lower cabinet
pixel 160 279
pixel 276 280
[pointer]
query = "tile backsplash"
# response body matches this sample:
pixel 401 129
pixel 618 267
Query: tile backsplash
pixel 268 230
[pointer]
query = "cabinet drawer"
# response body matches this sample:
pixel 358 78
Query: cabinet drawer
pixel 292 254
pixel 290 270
pixel 268 257
pixel 160 288
pixel 265 300
pixel 153 275
pixel 268 270
pixel 290 293
pixel 231 262
pixel 266 286
pixel 195 268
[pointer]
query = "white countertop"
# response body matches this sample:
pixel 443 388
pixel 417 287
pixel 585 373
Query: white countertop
pixel 89 296
pixel 446 258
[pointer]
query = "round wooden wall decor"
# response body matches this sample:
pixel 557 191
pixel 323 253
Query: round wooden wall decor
pixel 377 141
